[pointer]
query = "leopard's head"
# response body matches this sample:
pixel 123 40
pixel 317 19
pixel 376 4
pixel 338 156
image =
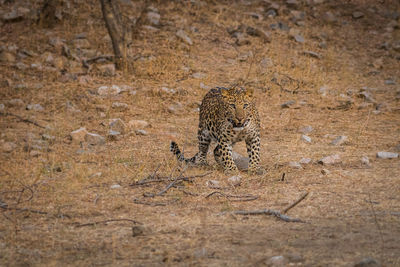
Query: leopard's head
pixel 238 105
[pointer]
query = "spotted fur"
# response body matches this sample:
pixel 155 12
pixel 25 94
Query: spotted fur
pixel 227 116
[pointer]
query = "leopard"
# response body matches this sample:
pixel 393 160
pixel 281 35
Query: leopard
pixel 227 116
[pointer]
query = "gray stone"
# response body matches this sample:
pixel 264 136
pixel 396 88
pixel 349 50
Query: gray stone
pixel 288 104
pixel 297 15
pixel 367 262
pixel 325 171
pixel 312 54
pixel 306 138
pixel 295 165
pixel 241 162
pixel 241 39
pixel 137 230
pixel 305 161
pixel 203 86
pixel 339 140
pixel 8 147
pixel 115 186
pixel 94 139
pixel 7 57
pixel 235 180
pixel 387 155
pixel 2 107
pixel 48 137
pixel 366 96
pixel 140 132
pixel 299 38
pixel 277 261
pixel 357 14
pixel 198 75
pixel 107 70
pixel 213 184
pixel 138 124
pixel 79 134
pixel 323 90
pixel 12 16
pixel 329 17
pixel 153 18
pixel 109 91
pixel 120 106
pixel 168 90
pixel 34 107
pixel 332 159
pixel 292 3
pixel 35 153
pixel 181 34
pixel 117 125
pixel 113 135
pixel 21 66
pixel 390 82
pixel 306 129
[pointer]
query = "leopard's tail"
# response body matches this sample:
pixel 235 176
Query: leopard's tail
pixel 179 155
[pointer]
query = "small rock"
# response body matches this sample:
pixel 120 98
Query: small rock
pixel 292 3
pixel 339 140
pixel 115 186
pixel 184 37
pixel 241 162
pixel 153 18
pixel 332 159
pixel 56 42
pixel 48 137
pixel 120 106
pixel 35 153
pixel 387 155
pixel 140 132
pixel 35 107
pixel 2 107
pixel 107 91
pixel 306 138
pixel 203 86
pixel 107 70
pixel 357 14
pixel 137 230
pixel 288 104
pixel 323 90
pixel 79 135
pixel 305 161
pixel 241 39
pixel 297 15
pixel 94 139
pixel 390 82
pixel 299 38
pixel 81 43
pixel 266 36
pixel 329 17
pixel 367 262
pixel 7 57
pixel 96 175
pixel 295 165
pixel 325 171
pixel 117 125
pixel 312 54
pixel 138 124
pixel 365 160
pixel 114 135
pixel 235 180
pixel 168 90
pixel 8 147
pixel 21 66
pixel 213 184
pixel 277 261
pixel 306 129
pixel 198 75
pixel 366 96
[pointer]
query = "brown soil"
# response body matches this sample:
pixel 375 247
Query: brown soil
pixel 352 212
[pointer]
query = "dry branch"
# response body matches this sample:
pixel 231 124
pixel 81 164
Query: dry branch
pixel 238 197
pixel 275 213
pixel 22 119
pixel 303 196
pixel 107 221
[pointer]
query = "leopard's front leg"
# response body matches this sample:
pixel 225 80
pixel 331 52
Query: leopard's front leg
pixel 253 150
pixel 223 156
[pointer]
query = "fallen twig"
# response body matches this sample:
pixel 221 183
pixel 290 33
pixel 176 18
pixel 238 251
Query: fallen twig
pixel 303 196
pixel 275 213
pixel 166 178
pixel 107 221
pixel 153 204
pixel 6 207
pixel 239 197
pixel 22 119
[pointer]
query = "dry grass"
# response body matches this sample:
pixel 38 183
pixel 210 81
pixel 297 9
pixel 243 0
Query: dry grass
pixel 351 213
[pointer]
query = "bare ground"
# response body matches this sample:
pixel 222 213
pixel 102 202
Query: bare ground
pixel 351 212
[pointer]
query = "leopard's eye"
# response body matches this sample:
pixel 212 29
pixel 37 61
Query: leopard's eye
pixel 245 105
pixel 232 105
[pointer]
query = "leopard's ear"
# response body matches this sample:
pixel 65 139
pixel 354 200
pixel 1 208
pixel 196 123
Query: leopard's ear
pixel 250 92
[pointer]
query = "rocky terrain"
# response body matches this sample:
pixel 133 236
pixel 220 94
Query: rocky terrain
pixel 86 176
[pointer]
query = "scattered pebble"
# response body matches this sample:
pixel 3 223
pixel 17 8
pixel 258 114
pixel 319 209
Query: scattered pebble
pixel 241 162
pixel 117 125
pixel 184 37
pixel 295 165
pixel 8 147
pixel 35 107
pixel 94 139
pixel 305 161
pixel 366 96
pixel 79 134
pixel 312 54
pixel 140 132
pixel 2 107
pixel 213 184
pixel 288 104
pixel 277 261
pixel 365 160
pixel 153 18
pixel 115 186
pixel 357 14
pixel 7 57
pixel 299 38
pixel 323 90
pixel 332 159
pixel 198 75
pixel 137 230
pixel 138 124
pixel 306 129
pixel 109 91
pixel 107 70
pixel 16 102
pixel 325 171
pixel 113 135
pixel 339 140
pixel 168 90
pixel 120 106
pixel 235 180
pixel 390 82
pixel 306 138
pixel 35 153
pixel 387 155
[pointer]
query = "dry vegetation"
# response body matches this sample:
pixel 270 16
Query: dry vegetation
pixel 351 213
